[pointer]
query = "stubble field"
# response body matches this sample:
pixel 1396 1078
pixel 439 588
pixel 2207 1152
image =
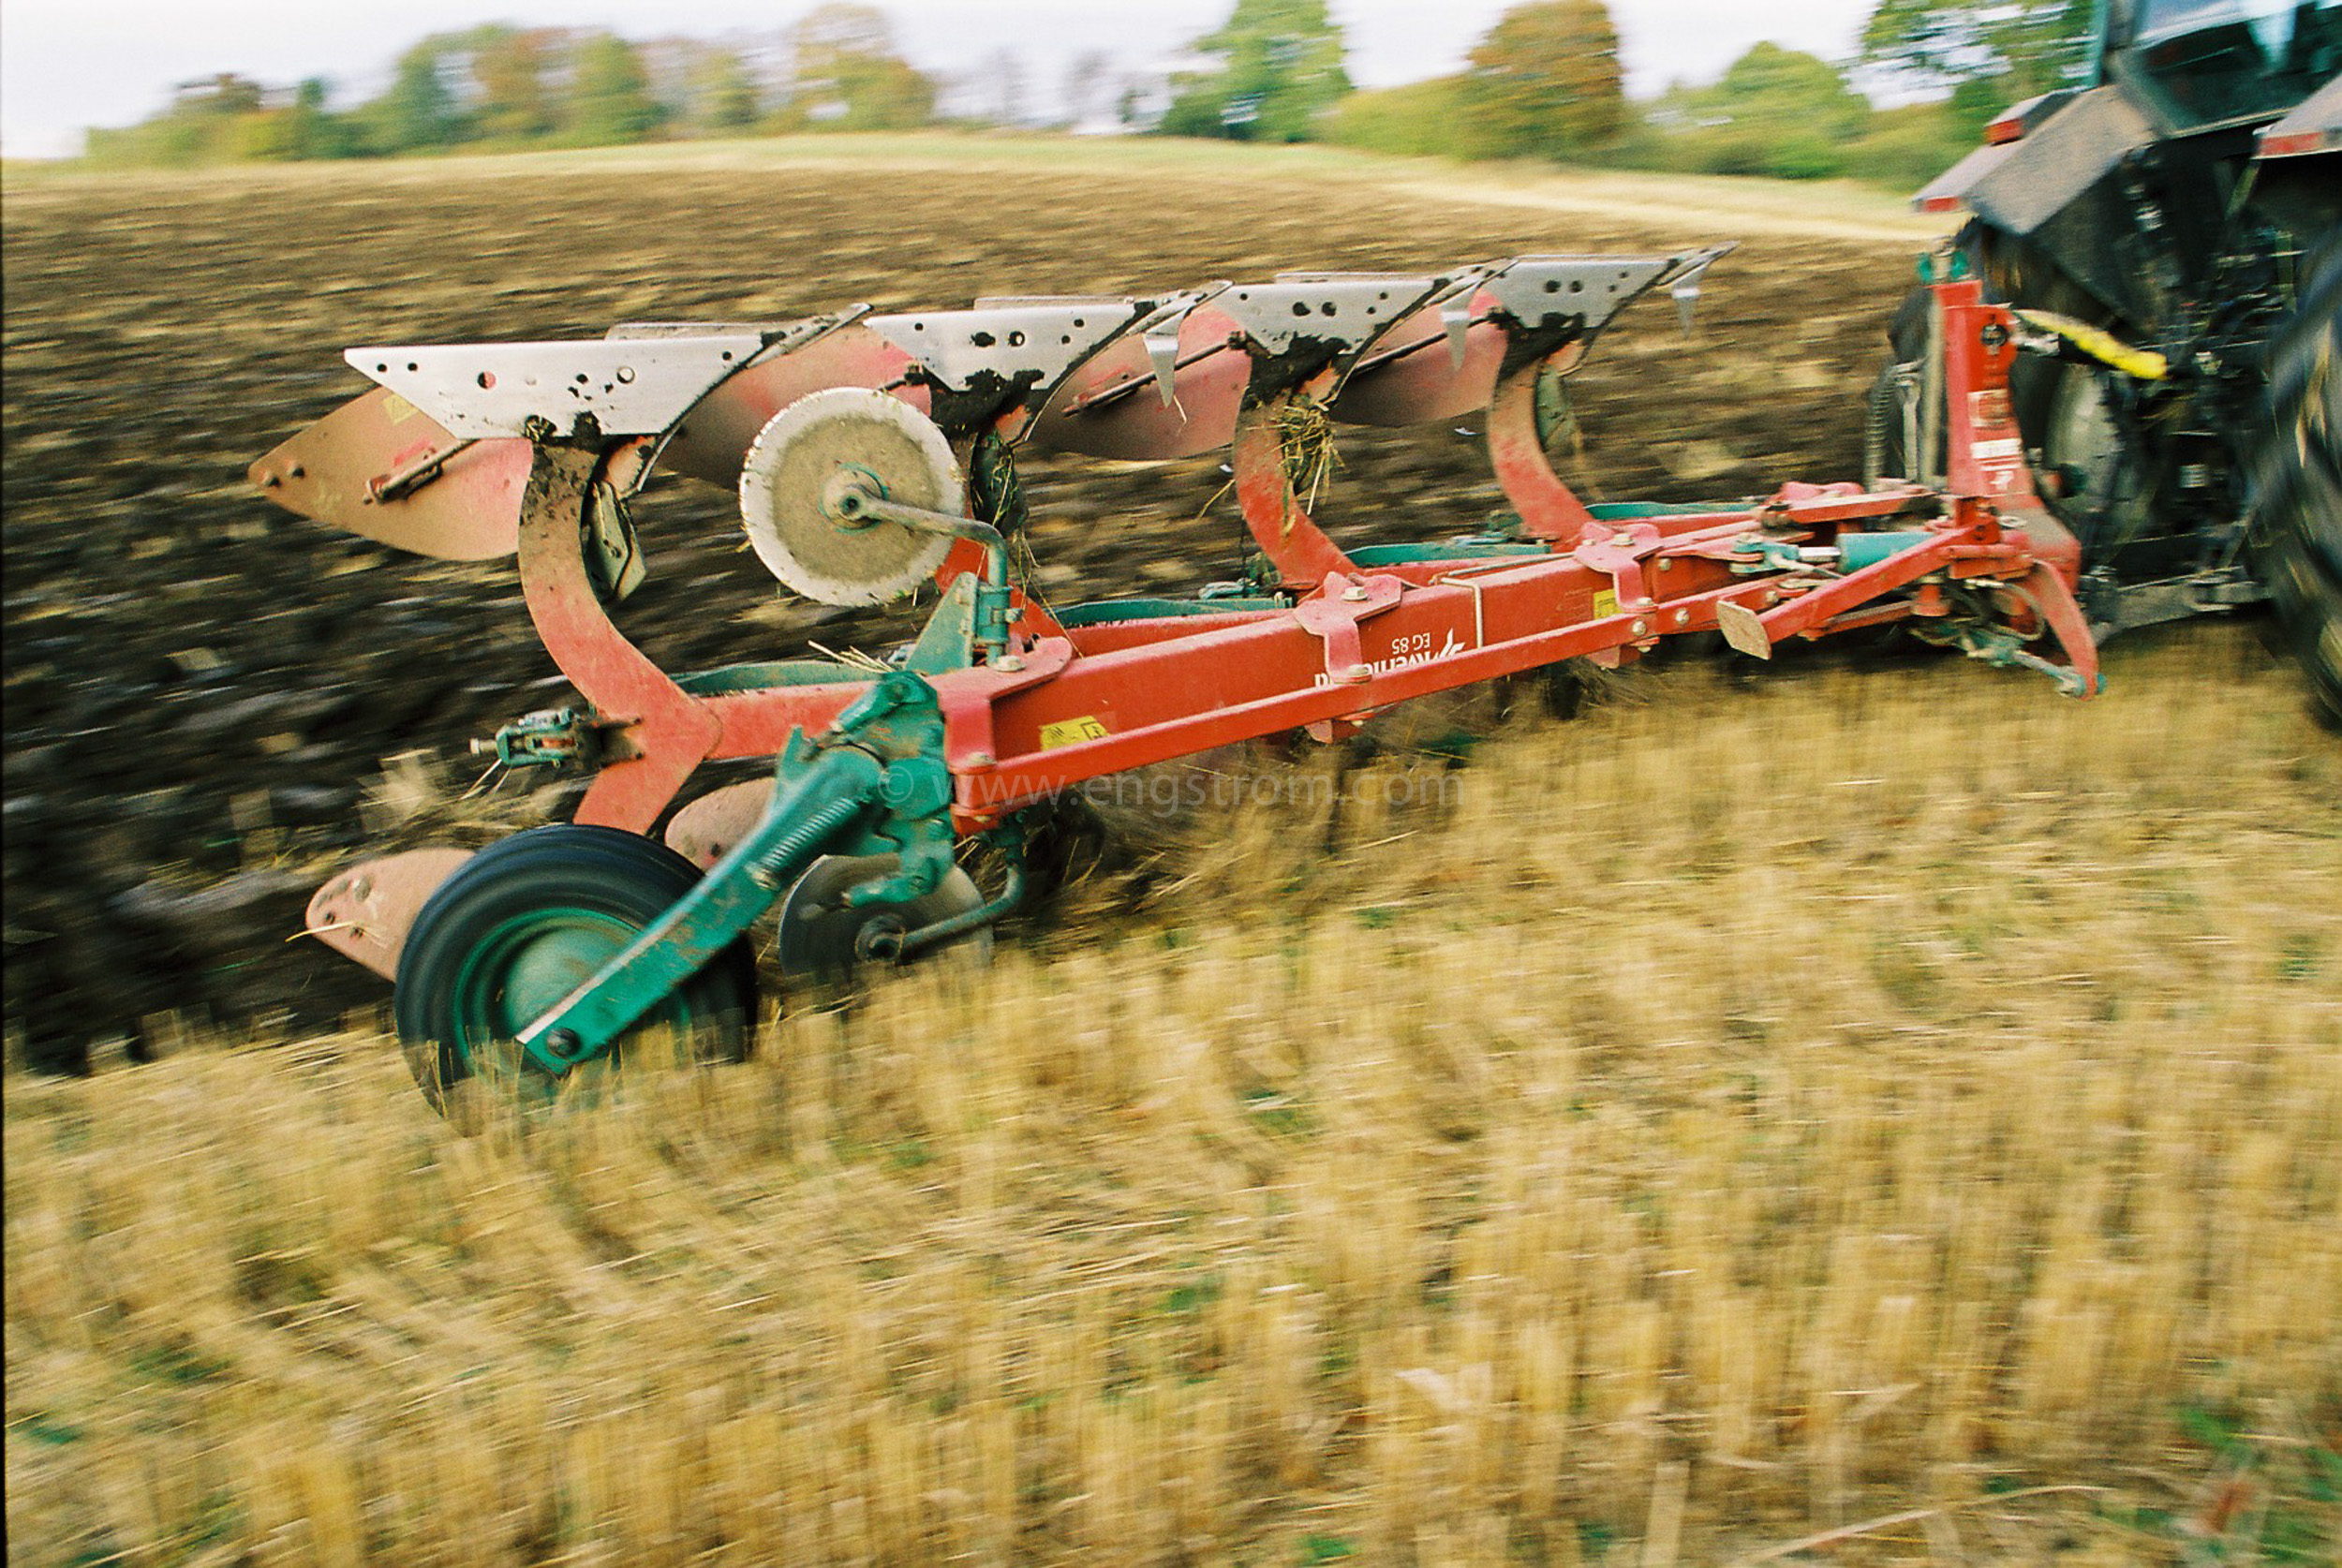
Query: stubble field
pixel 1867 1112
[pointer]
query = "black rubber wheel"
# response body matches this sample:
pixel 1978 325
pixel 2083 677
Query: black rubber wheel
pixel 521 924
pixel 2297 478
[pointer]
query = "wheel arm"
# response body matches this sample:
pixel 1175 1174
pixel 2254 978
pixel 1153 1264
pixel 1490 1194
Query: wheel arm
pixel 822 804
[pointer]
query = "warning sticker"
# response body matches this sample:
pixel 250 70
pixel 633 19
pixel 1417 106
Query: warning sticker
pixel 1604 602
pixel 1070 732
pixel 398 408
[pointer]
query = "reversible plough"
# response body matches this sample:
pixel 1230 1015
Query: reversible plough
pixel 873 455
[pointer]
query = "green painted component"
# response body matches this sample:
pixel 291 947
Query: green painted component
pixel 899 721
pixel 948 641
pixel 1956 269
pixel 1552 405
pixel 552 738
pixel 992 607
pixel 999 498
pixel 1162 609
pixel 1451 550
pixel 874 783
pixel 1856 550
pixel 1759 554
pixel 1859 550
pixel 764 676
pixel 1010 841
pixel 1626 512
pixel 800 824
pixel 2000 647
pixel 1501 527
pixel 529 964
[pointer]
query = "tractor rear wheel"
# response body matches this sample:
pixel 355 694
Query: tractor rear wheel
pixel 2297 478
pixel 522 924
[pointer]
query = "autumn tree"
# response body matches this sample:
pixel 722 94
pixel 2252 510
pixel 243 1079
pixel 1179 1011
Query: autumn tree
pixel 509 67
pixel 848 76
pixel 1545 81
pixel 608 101
pixel 222 116
pixel 722 92
pixel 701 88
pixel 1278 69
pixel 303 129
pixel 1775 111
pixel 1795 109
pixel 419 111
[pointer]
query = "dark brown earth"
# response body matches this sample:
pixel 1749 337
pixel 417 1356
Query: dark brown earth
pixel 199 688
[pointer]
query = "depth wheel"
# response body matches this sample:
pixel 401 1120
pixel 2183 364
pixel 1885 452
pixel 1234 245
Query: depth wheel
pixel 522 924
pixel 2297 480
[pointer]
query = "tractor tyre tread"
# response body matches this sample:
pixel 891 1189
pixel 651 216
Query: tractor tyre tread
pixel 2297 478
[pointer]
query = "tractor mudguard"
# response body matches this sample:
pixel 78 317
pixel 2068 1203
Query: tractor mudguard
pixel 2313 127
pixel 2032 181
pixel 2057 189
pixel 2073 150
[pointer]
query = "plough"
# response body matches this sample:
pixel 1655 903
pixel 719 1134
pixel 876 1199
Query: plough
pixel 873 455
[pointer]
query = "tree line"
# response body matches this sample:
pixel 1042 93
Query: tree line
pixel 1544 83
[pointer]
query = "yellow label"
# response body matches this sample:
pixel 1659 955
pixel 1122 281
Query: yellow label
pixel 397 410
pixel 1070 732
pixel 1604 602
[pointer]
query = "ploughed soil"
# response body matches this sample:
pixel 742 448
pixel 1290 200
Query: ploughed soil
pixel 201 690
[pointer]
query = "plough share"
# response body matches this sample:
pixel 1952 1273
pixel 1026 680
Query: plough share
pixel 874 455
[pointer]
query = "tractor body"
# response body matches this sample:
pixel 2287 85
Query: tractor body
pixel 2169 236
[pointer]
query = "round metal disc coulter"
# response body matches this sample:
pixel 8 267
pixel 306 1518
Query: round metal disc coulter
pixel 817 939
pixel 788 480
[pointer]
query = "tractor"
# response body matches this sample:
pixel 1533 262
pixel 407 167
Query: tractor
pixel 2170 238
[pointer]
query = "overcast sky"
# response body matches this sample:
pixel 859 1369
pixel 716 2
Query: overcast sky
pixel 69 63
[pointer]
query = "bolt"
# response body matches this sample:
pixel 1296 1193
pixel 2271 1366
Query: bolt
pixel 1666 565
pixel 563 1042
pixel 1011 664
pixel 1683 617
pixel 1354 593
pixel 979 758
pixel 1641 628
